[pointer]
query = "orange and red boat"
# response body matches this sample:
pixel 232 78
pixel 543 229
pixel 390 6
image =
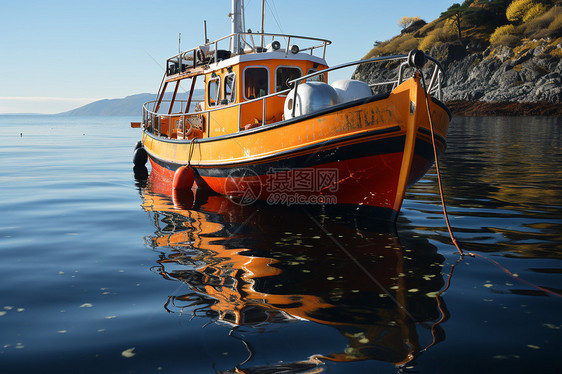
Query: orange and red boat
pixel 271 127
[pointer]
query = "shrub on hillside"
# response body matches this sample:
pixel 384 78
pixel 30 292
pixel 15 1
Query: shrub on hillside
pixel 511 41
pixel 405 22
pixel 555 27
pixel 516 11
pixel 533 12
pixel 409 44
pixel 442 34
pixel 415 26
pixel 399 44
pixel 545 25
pixel 500 32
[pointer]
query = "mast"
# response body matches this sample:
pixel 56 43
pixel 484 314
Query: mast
pixel 262 21
pixel 236 26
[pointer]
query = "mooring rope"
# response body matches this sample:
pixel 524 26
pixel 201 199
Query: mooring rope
pixel 442 195
pixel 191 149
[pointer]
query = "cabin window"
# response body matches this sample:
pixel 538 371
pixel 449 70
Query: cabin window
pixel 284 74
pixel 256 82
pixel 214 91
pixel 316 78
pixel 230 88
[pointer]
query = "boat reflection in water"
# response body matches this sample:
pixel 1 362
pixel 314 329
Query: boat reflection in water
pixel 258 266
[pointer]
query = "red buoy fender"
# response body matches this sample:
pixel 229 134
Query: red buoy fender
pixel 183 178
pixel 183 198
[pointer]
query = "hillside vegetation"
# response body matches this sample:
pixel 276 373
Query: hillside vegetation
pixel 478 24
pixel 499 56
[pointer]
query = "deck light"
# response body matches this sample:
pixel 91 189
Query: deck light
pixel 273 46
pixel 416 58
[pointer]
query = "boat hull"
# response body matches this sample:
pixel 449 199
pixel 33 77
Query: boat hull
pixel 361 156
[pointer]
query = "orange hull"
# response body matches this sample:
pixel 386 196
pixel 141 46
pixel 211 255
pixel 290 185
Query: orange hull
pixel 361 154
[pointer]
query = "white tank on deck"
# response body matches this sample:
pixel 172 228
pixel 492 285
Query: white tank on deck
pixel 349 90
pixel 311 97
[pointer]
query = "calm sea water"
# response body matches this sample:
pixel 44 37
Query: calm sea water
pixel 104 273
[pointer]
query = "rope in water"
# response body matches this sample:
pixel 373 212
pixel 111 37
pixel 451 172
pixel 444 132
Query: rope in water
pixel 442 195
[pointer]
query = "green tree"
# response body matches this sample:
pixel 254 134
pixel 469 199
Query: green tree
pixel 455 14
pixel 497 8
pixel 485 12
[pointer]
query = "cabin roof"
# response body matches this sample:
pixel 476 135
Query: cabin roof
pixel 251 57
pixel 217 54
pixel 268 56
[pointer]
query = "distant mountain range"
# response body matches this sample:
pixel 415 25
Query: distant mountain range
pixel 127 106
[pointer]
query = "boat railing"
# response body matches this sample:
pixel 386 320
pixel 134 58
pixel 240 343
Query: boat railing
pixel 406 61
pixel 182 104
pixel 218 50
pixel 151 116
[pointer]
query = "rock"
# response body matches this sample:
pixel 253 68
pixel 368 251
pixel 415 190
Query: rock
pixel 501 52
pixel 474 46
pixel 448 52
pixel 493 75
pixel 539 50
pixel 519 60
pixel 508 78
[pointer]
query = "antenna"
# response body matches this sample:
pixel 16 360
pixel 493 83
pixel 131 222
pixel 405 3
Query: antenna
pixel 262 20
pixel 179 43
pixel 205 27
pixel 243 15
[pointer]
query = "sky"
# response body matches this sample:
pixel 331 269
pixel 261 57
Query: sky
pixel 57 55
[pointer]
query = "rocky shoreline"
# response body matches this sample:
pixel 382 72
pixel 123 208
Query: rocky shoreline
pixel 481 108
pixel 521 81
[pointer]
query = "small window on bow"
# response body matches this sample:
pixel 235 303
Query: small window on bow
pixel 284 74
pixel 214 91
pixel 230 88
pixel 256 83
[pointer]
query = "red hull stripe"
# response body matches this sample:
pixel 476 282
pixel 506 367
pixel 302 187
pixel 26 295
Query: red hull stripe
pixel 349 193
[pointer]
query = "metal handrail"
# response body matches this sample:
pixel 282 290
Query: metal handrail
pixel 219 107
pixel 434 85
pixel 186 55
pixel 149 113
pixel 438 68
